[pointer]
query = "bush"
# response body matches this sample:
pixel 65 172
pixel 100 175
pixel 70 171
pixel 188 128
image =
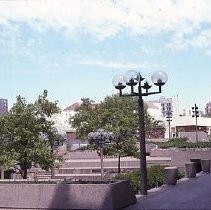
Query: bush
pixel 180 175
pixel 155 177
pixel 133 177
pixel 82 148
pixel 182 143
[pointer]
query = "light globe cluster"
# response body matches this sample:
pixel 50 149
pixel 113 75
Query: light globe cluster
pixel 132 78
pixel 100 136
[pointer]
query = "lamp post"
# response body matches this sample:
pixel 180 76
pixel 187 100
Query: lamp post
pixel 131 79
pixel 169 119
pixel 195 113
pixel 100 138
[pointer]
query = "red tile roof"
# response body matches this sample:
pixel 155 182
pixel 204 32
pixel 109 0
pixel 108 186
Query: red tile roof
pixel 73 107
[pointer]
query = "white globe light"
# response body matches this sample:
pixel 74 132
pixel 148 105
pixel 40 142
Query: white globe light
pixel 131 77
pixel 118 82
pixel 159 78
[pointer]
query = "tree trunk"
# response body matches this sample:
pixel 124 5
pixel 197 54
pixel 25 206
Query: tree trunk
pixel 119 167
pixel 25 165
pixel 52 173
pixel 25 171
pixel 52 168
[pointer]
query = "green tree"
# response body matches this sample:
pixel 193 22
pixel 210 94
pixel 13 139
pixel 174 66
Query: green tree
pixel 25 135
pixel 157 130
pixel 6 155
pixel 44 110
pixel 115 114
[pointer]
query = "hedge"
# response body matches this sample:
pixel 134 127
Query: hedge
pixel 155 177
pixel 182 143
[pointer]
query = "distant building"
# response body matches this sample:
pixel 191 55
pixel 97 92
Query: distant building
pixel 188 124
pixel 191 135
pixel 161 108
pixel 73 107
pixel 167 105
pixel 179 122
pixel 61 121
pixel 3 106
pixel 208 109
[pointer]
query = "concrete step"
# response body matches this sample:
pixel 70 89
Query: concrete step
pixel 113 162
pixel 79 176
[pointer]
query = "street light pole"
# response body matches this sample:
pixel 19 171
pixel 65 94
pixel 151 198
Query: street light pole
pixel 101 161
pixel 196 115
pixel 143 163
pixel 132 78
pixel 169 119
pixel 100 138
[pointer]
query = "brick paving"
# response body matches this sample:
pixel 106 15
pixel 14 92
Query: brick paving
pixel 194 193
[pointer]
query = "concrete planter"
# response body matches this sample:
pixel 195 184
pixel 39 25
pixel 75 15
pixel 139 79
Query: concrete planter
pixel 190 170
pixel 198 164
pixel 205 164
pixel 171 175
pixel 115 195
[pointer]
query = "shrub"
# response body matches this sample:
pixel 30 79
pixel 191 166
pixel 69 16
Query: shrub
pixel 82 148
pixel 180 175
pixel 155 177
pixel 182 143
pixel 133 177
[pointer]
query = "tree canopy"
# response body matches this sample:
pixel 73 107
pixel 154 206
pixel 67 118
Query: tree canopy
pixel 115 114
pixel 27 134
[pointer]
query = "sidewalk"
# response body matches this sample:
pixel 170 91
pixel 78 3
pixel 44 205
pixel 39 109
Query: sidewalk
pixel 194 193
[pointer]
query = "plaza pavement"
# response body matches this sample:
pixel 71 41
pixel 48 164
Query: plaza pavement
pixel 192 193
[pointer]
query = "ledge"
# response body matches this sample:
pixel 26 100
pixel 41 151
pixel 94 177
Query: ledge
pixel 115 195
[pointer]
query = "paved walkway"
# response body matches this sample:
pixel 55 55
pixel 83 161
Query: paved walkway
pixel 194 193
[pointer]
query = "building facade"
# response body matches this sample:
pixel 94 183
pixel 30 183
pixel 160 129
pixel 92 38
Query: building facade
pixel 158 109
pixel 208 109
pixel 178 122
pixel 3 106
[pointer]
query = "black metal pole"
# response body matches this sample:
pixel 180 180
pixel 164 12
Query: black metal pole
pixel 196 130
pixel 143 165
pixel 196 115
pixel 101 161
pixel 169 128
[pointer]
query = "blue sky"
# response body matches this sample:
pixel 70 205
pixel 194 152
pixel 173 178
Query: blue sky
pixel 73 48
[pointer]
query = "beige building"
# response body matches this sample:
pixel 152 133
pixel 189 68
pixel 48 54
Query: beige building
pixel 156 108
pixel 178 123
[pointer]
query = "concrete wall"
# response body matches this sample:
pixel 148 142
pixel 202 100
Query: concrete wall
pixel 180 156
pixel 66 196
pixel 82 155
pixel 126 162
pixel 162 152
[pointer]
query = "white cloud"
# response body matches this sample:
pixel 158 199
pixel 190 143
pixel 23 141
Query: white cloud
pixel 120 65
pixel 106 18
pixel 200 40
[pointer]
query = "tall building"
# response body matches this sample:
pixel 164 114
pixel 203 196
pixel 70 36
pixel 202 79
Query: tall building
pixel 208 109
pixel 161 107
pixel 3 106
pixel 167 105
